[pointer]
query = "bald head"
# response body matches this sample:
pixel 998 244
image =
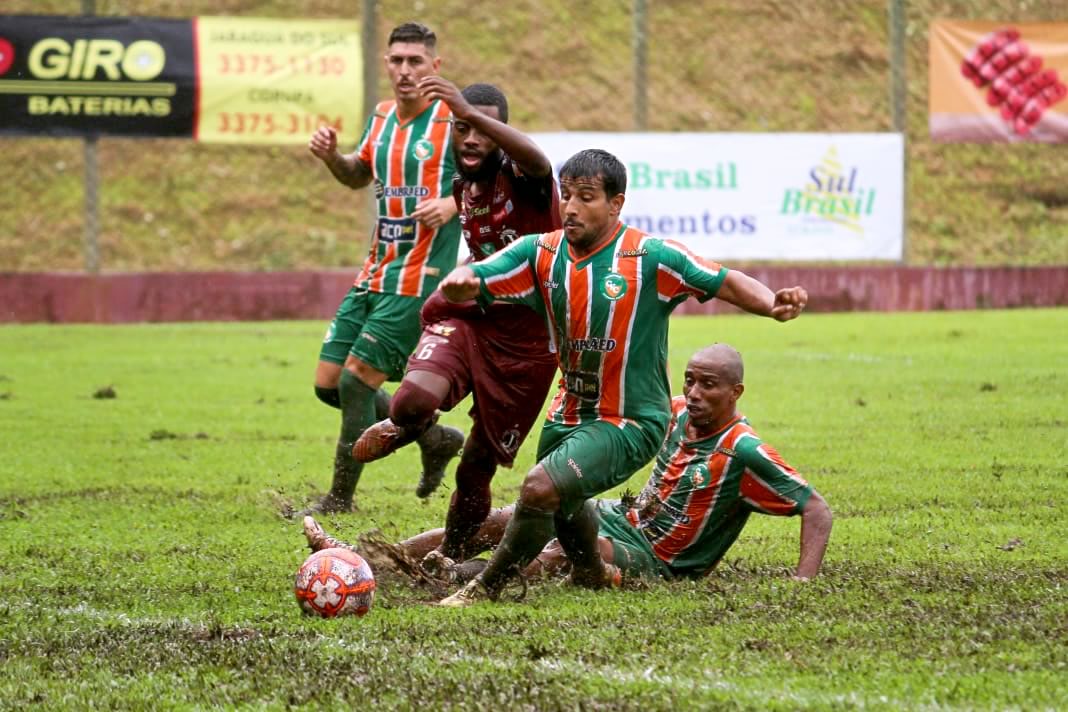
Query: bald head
pixel 722 359
pixel 712 387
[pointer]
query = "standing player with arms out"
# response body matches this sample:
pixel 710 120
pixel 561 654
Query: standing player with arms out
pixel 608 291
pixel 504 188
pixel 405 150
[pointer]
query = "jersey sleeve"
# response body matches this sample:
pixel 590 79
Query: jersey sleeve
pixel 363 148
pixel 508 275
pixel 682 274
pixel 769 485
pixel 537 191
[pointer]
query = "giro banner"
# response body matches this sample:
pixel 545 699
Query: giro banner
pixel 215 79
pixel 756 196
pixel 998 81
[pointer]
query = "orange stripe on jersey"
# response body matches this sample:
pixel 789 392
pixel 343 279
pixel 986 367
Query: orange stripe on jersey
pixel 669 284
pixel 548 251
pixel 378 122
pixel 439 135
pixel 701 501
pixel 614 366
pixel 517 283
pixel 549 246
pixel 411 276
pixel 578 295
pixel 397 150
pixel 375 285
pixel 763 497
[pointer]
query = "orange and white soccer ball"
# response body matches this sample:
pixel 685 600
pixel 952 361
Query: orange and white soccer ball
pixel 335 582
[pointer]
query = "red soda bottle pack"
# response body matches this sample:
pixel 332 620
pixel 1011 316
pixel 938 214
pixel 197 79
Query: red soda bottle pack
pixel 1014 79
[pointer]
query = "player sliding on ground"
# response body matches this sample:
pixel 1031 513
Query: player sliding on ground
pixel 711 473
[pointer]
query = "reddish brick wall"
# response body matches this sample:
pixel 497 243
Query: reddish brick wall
pixel 239 296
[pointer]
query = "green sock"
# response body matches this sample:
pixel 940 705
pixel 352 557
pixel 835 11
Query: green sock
pixel 382 401
pixel 528 531
pixel 578 538
pixel 357 414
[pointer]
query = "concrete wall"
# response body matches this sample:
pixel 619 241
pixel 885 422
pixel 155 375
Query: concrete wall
pixel 242 296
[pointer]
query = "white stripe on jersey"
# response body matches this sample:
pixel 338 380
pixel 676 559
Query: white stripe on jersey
pixel 519 269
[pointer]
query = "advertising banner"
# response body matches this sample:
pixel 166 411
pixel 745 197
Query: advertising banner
pixel 80 75
pixel 998 81
pixel 759 196
pixel 275 81
pixel 224 80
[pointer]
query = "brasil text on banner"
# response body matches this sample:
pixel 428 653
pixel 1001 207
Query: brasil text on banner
pixel 226 80
pixel 998 81
pixel 759 196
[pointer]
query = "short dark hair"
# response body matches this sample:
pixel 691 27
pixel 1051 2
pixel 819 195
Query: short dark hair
pixel 594 162
pixel 414 32
pixel 487 95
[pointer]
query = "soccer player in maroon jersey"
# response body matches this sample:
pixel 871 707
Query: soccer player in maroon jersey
pixel 711 473
pixel 504 188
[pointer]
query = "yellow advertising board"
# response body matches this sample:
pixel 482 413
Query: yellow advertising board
pixel 265 81
pixel 998 81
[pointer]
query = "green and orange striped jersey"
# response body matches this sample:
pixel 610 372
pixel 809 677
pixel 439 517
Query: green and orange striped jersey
pixel 701 492
pixel 411 161
pixel 607 315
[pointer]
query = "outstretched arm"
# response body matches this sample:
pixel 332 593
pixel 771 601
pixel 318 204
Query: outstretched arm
pixel 348 169
pixel 815 531
pixel 755 297
pixel 521 148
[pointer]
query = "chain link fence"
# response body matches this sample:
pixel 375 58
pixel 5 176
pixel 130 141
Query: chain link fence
pixel 613 65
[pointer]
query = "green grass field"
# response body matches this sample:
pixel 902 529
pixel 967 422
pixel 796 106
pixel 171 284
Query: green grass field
pixel 144 562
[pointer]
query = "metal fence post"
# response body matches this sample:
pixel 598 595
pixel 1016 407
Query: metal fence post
pixel 898 106
pixel 898 96
pixel 640 50
pixel 92 187
pixel 368 28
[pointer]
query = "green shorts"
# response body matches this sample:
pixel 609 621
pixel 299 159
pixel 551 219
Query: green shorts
pixel 586 460
pixel 379 329
pixel 631 551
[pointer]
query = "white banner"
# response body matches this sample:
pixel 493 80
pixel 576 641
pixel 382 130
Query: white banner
pixel 757 196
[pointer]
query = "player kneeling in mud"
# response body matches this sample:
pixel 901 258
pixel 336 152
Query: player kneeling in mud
pixel 711 473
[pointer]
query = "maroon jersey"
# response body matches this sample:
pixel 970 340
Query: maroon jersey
pixel 516 205
pixel 513 205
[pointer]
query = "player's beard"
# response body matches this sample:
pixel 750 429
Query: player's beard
pixel 489 166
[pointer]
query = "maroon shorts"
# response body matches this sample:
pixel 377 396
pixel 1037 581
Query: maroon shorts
pixel 509 389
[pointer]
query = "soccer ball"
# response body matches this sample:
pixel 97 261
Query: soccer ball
pixel 334 582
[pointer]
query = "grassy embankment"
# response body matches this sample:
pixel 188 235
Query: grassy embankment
pixel 740 66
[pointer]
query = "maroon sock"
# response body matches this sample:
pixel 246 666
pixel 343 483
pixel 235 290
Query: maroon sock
pixel 413 407
pixel 471 502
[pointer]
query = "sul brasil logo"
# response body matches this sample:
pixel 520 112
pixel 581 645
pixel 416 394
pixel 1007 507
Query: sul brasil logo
pixel 832 195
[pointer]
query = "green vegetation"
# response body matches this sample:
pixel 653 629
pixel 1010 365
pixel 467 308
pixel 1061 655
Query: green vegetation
pixel 738 65
pixel 144 562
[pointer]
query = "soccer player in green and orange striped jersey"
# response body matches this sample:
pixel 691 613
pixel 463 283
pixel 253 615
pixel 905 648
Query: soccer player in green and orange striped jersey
pixel 406 152
pixel 711 473
pixel 606 291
